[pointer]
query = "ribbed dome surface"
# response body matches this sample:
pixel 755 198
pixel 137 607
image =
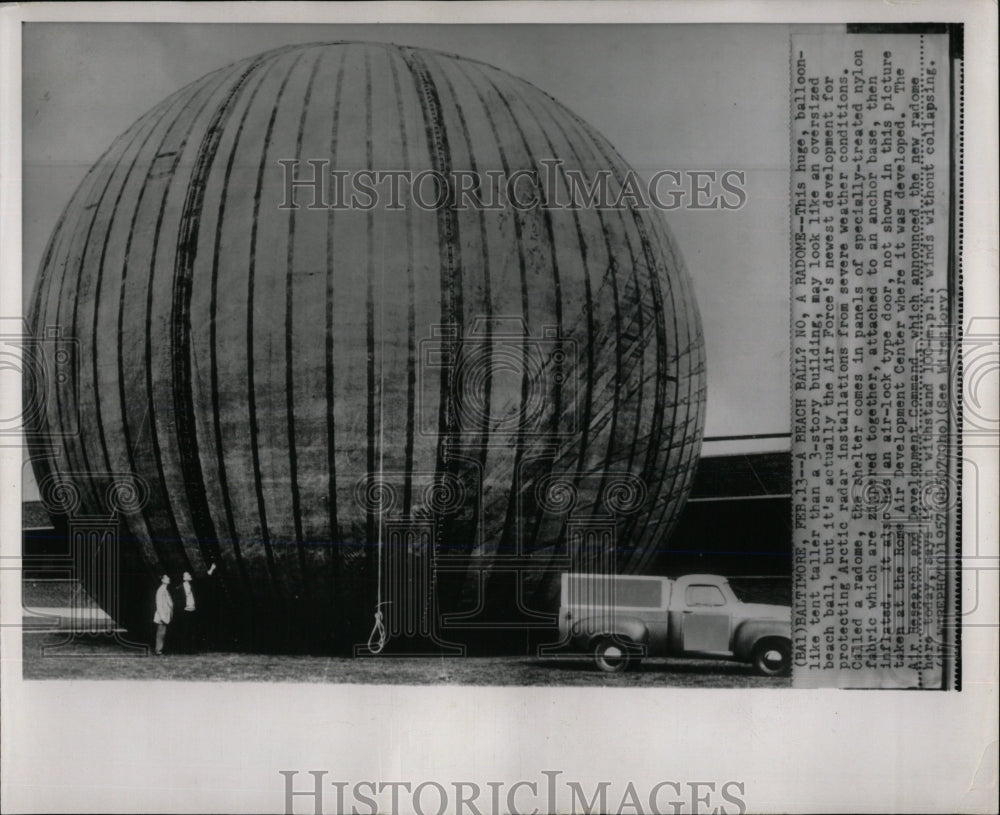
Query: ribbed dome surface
pixel 253 365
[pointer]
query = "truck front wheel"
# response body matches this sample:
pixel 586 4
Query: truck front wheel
pixel 773 657
pixel 611 656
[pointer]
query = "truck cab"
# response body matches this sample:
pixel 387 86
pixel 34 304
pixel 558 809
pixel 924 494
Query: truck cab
pixel 620 619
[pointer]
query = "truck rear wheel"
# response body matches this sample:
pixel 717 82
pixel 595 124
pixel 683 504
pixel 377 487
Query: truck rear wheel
pixel 611 656
pixel 773 657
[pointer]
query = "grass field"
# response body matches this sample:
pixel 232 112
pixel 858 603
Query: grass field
pixel 52 654
pixel 100 657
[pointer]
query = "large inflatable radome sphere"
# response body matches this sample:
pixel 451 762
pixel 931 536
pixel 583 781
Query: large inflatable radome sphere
pixel 433 400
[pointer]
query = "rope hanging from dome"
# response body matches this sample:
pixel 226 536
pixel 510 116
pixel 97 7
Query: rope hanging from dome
pixel 378 637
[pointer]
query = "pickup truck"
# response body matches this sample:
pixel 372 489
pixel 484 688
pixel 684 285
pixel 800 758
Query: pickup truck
pixel 620 619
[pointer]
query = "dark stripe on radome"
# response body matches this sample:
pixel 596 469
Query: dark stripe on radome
pixel 48 276
pixel 34 410
pixel 94 214
pixel 585 140
pixel 293 467
pixel 691 441
pixel 372 430
pixel 656 428
pixel 461 534
pixel 76 450
pixel 487 299
pixel 156 115
pixel 411 346
pixel 99 285
pixel 52 406
pixel 610 274
pixel 213 352
pixel 584 430
pixel 168 509
pixel 449 244
pixel 150 395
pixel 251 394
pixel 638 354
pixel 180 318
pixel 690 345
pixel 557 286
pixel 610 455
pixel 680 349
pixel 663 369
pixel 663 351
pixel 335 560
pixel 593 141
pixel 122 401
pixel 504 543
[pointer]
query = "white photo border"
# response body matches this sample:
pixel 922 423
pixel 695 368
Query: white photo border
pixel 76 746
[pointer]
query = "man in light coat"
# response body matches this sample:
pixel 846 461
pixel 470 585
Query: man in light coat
pixel 164 613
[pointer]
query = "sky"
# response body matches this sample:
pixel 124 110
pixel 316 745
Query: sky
pixel 668 97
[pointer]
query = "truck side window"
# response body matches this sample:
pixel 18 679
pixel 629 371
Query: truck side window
pixel 704 596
